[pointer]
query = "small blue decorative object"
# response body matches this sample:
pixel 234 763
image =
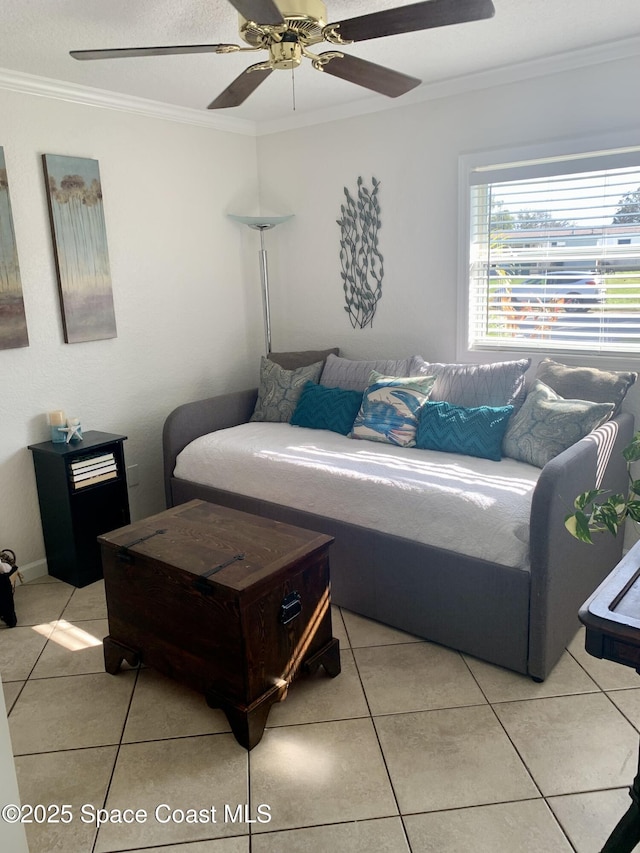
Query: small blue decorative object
pixel 58 434
pixel 57 423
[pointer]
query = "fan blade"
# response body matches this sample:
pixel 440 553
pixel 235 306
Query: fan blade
pixel 368 74
pixel 243 86
pixel 409 19
pixel 259 11
pixel 119 52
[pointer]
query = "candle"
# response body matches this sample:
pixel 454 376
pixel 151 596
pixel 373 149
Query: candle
pixel 57 421
pixel 56 418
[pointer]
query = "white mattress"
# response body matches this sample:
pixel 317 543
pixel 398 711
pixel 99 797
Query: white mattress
pixel 464 504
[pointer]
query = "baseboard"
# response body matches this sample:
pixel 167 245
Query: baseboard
pixel 33 571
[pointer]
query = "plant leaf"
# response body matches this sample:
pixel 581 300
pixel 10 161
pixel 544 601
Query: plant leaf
pixel 587 497
pixel 632 451
pixel 608 515
pixel 578 526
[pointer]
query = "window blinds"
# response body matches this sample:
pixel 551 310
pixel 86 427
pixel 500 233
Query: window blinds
pixel 555 254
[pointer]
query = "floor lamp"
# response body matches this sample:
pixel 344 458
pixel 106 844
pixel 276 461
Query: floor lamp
pixel 262 224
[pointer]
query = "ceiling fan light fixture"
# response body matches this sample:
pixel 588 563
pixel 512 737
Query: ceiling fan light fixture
pixel 285 54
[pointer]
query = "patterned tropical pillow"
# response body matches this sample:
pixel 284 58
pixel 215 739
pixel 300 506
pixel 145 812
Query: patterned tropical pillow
pixel 334 409
pixel 547 424
pixel 280 389
pixel 475 431
pixel 390 407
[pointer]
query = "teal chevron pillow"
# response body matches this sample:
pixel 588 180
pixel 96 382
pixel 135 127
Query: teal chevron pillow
pixel 390 407
pixel 320 407
pixel 476 431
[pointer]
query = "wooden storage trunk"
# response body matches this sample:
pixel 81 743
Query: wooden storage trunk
pixel 232 604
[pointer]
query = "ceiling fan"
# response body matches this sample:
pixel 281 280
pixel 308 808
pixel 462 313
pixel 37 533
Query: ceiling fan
pixel 286 28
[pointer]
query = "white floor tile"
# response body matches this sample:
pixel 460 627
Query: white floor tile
pixel 413 747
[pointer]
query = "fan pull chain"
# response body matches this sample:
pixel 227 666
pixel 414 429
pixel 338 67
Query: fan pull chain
pixel 293 89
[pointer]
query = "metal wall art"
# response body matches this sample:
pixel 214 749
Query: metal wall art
pixel 74 193
pixel 13 322
pixel 362 267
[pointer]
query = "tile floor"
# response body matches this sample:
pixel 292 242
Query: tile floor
pixel 412 748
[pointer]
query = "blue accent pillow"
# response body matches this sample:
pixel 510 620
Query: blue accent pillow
pixel 476 431
pixel 320 407
pixel 390 407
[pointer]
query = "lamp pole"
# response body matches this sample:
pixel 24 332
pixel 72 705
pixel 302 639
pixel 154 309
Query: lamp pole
pixel 262 224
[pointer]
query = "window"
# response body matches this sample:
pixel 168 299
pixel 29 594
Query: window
pixel 554 253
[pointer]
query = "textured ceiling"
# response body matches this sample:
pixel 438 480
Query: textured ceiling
pixel 37 35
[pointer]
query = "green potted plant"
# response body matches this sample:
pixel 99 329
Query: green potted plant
pixel 595 516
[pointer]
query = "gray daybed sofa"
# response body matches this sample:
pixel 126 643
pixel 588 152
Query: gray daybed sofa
pixel 521 620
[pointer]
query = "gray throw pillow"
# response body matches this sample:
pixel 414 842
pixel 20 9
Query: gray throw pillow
pixel 547 424
pixel 294 360
pixel 354 375
pixel 586 383
pixel 501 383
pixel 280 390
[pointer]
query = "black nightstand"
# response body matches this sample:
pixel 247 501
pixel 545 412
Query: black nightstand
pixel 82 492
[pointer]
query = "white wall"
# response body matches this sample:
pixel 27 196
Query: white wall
pixel 413 151
pixel 189 323
pixel 185 277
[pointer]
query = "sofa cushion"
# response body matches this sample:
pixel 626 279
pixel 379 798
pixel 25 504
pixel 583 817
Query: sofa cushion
pixel 476 431
pixel 280 389
pixel 390 407
pixel 501 383
pixel 354 375
pixel 547 424
pixel 586 383
pixel 327 408
pixel 454 503
pixel 294 360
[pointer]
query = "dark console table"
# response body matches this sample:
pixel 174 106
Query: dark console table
pixel 612 619
pixel 82 492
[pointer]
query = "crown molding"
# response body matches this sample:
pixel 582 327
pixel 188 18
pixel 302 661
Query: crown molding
pixel 499 76
pixel 31 84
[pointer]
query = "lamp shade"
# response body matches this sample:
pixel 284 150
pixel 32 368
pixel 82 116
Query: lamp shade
pixel 259 222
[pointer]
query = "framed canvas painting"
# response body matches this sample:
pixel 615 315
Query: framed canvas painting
pixel 74 194
pixel 13 322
